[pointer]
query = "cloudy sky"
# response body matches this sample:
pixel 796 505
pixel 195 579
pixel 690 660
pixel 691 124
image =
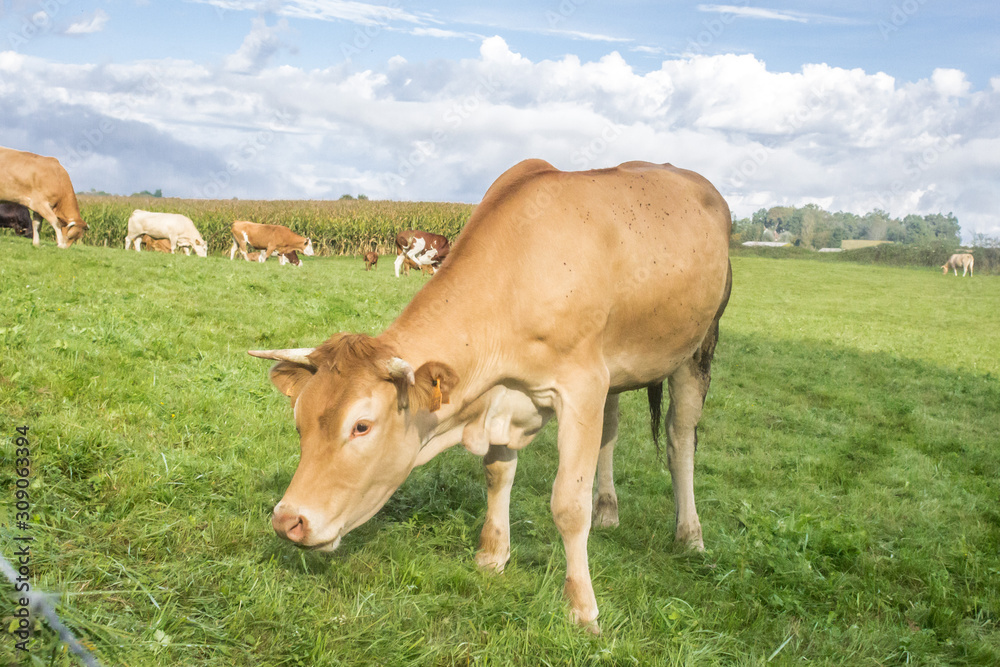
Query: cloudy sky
pixel 850 104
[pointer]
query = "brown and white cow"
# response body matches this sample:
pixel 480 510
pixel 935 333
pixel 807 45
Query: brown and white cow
pixel 563 290
pixel 42 185
pixel 16 217
pixel 421 248
pixel 178 229
pixel 269 239
pixel 371 260
pixel 962 260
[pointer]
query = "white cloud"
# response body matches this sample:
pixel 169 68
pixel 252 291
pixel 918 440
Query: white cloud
pixel 443 34
pixel 258 46
pixel 91 24
pixel 443 130
pixel 588 36
pixel 753 12
pixel 364 13
pixel 745 11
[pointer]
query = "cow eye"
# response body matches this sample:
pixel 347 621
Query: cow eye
pixel 361 428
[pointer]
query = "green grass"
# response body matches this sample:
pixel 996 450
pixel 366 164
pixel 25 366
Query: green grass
pixel 847 480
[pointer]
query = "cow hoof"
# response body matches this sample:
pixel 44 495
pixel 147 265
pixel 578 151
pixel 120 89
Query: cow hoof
pixel 605 512
pixel 690 540
pixel 587 621
pixel 491 562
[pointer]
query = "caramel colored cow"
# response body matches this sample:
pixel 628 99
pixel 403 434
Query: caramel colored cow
pixel 564 290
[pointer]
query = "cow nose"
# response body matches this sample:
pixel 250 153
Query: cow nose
pixel 290 524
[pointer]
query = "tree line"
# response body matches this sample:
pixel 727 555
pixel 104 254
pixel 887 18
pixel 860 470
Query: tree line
pixel 811 226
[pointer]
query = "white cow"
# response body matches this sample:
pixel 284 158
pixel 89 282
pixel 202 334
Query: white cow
pixel 176 228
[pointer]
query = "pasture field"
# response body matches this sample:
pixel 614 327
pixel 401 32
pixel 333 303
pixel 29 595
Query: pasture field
pixel 342 227
pixel 848 480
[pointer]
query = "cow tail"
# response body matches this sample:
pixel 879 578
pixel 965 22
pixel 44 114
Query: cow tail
pixel 654 393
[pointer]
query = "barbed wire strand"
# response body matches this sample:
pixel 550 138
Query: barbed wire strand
pixel 40 602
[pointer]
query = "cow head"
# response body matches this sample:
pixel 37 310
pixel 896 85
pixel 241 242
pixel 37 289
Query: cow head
pixel 200 247
pixel 73 232
pixel 308 249
pixel 359 410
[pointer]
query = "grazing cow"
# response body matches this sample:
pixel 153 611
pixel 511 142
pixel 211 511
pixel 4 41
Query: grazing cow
pixel 371 259
pixel 564 290
pixel 961 260
pixel 421 248
pixel 178 229
pixel 273 239
pixel 16 217
pixel 157 245
pixel 42 185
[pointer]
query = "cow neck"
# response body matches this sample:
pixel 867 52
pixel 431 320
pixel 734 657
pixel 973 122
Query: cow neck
pixel 447 330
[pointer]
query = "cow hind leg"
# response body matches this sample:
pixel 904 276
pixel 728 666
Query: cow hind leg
pixel 688 386
pixel 606 500
pixel 500 464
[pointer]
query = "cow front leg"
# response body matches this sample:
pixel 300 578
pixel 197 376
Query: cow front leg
pixel 46 212
pixel 606 500
pixel 579 441
pixel 500 464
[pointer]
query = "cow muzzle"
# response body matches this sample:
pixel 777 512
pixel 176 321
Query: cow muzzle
pixel 296 527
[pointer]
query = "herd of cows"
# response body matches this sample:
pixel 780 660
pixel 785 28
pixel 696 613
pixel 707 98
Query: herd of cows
pixel 34 187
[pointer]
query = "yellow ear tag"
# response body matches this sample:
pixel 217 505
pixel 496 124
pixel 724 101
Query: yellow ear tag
pixel 435 395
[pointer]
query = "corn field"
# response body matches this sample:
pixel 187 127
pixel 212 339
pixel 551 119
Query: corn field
pixel 341 227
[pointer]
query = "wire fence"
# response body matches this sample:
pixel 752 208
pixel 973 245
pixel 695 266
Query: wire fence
pixel 40 603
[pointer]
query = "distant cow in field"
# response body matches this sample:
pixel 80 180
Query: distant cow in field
pixel 156 245
pixel 270 239
pixel 177 229
pixel 421 248
pixel 962 259
pixel 42 185
pixel 16 217
pixel 371 259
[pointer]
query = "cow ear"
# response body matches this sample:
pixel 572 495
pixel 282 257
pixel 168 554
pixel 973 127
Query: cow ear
pixel 289 377
pixel 434 384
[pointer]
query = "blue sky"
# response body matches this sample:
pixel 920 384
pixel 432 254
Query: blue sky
pixel 848 104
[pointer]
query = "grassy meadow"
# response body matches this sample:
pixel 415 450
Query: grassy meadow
pixel 848 480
